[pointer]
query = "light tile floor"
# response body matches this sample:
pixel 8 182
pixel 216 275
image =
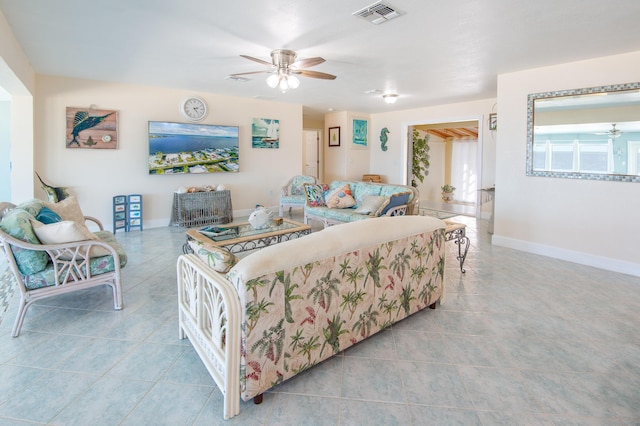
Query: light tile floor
pixel 521 339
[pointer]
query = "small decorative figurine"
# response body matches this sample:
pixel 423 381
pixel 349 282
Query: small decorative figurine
pixel 383 138
pixel 261 217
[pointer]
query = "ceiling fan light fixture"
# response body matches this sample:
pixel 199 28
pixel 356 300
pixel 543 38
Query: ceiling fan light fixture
pixel 294 82
pixel 390 98
pixel 273 80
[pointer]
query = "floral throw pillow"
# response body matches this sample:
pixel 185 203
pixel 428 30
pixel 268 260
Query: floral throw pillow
pixel 340 198
pixel 315 194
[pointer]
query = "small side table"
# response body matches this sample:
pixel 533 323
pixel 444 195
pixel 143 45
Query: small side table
pixel 457 232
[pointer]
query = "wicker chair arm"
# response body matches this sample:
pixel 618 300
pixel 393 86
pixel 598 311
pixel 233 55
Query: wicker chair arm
pixel 94 220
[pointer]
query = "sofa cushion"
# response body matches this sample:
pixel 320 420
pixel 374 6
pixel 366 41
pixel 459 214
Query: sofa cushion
pixel 363 189
pixel 217 258
pixel 372 205
pixel 48 216
pixel 396 200
pixel 315 194
pixel 17 223
pixel 340 198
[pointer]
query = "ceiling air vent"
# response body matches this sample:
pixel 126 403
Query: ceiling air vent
pixel 377 13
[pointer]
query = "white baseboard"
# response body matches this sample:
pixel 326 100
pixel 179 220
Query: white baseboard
pixel 600 262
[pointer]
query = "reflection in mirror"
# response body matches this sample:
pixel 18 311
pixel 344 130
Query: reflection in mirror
pixel 591 133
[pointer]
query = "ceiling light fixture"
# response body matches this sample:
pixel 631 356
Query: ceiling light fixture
pixel 390 98
pixel 283 80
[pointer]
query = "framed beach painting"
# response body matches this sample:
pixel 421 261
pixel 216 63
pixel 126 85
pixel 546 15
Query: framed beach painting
pixel 265 133
pixel 360 132
pixel 90 128
pixel 178 148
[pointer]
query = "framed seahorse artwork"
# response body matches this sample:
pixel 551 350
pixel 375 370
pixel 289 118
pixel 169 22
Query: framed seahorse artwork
pixel 90 128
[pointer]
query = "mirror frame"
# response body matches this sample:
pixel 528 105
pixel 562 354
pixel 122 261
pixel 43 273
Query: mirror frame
pixel 573 92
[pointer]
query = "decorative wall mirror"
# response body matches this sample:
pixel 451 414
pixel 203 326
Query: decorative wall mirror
pixel 591 133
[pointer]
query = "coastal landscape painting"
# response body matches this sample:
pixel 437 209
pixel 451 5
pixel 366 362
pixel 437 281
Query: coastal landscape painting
pixel 178 148
pixel 265 133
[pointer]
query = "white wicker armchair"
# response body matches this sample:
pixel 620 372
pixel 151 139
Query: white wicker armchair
pixel 61 268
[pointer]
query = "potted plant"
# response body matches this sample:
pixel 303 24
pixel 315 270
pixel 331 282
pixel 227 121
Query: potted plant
pixel 420 158
pixel 447 192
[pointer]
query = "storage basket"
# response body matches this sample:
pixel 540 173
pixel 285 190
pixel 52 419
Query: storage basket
pixel 201 208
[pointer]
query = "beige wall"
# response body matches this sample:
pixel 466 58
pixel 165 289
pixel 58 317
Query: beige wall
pixel 346 161
pixel 18 79
pixel 590 222
pixel 392 163
pixel 95 176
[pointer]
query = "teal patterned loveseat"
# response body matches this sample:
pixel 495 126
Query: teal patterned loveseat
pixel 281 310
pixel 368 199
pixel 50 251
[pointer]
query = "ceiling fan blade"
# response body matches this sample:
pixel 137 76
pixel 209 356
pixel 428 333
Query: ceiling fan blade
pixel 252 72
pixel 315 74
pixel 260 61
pixel 309 62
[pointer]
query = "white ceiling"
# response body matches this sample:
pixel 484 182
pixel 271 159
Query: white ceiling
pixel 437 52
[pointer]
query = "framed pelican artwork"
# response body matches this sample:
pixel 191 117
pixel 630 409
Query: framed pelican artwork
pixel 90 128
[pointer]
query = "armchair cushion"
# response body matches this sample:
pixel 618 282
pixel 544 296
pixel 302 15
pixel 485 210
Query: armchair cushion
pixel 297 184
pixel 17 223
pixel 97 265
pixel 48 216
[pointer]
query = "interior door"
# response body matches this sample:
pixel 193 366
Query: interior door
pixel 311 143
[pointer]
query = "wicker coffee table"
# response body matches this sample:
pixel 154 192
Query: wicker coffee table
pixel 240 237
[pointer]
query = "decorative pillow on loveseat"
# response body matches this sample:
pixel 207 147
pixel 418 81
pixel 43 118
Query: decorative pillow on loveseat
pixel 315 194
pixel 372 205
pixel 396 200
pixel 340 198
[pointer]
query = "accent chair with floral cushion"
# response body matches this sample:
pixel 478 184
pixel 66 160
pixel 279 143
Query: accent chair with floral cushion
pixel 292 193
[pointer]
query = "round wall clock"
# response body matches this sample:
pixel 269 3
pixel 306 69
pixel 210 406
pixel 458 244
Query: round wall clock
pixel 194 108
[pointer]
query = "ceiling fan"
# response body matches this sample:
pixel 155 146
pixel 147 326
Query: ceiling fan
pixel 284 68
pixel 612 133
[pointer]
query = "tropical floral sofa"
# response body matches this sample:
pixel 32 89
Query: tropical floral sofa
pixel 50 251
pixel 260 320
pixel 349 201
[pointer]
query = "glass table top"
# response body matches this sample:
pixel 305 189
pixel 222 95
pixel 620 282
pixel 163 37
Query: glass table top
pixel 220 233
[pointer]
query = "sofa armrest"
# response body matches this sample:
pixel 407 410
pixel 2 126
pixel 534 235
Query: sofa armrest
pixel 397 211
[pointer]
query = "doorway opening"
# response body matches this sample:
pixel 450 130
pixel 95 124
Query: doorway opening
pixel 455 159
pixel 312 153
